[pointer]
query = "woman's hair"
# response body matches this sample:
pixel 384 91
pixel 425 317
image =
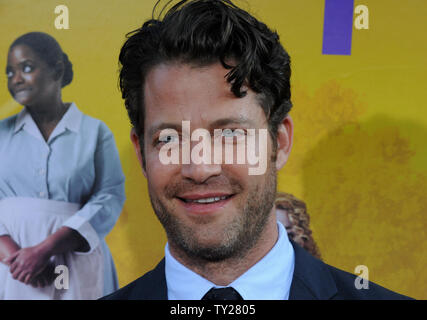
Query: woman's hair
pixel 49 50
pixel 299 230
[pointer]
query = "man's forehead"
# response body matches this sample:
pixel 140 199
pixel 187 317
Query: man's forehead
pixel 201 95
pixel 179 82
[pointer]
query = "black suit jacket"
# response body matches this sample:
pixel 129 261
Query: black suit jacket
pixel 312 280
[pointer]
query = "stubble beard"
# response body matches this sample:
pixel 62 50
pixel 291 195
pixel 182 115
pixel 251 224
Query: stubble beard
pixel 238 236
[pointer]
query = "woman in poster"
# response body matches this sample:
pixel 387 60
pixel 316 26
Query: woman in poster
pixel 61 183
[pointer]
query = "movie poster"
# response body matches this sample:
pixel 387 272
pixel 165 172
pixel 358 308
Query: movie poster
pixel 73 195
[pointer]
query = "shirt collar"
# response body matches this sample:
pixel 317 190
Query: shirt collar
pixel 70 120
pixel 183 283
pixel 269 279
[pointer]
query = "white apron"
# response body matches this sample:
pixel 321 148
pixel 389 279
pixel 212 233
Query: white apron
pixel 29 221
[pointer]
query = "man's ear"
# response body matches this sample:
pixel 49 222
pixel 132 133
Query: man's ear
pixel 285 133
pixel 137 147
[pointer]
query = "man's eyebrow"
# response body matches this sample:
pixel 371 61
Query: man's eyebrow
pixel 162 126
pixel 229 121
pixel 216 124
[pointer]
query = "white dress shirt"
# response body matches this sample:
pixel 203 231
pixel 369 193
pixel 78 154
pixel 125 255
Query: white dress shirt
pixel 269 279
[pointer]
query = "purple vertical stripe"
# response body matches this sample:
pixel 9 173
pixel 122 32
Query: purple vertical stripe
pixel 338 27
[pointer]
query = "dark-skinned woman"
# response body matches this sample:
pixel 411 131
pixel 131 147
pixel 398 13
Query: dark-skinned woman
pixel 61 183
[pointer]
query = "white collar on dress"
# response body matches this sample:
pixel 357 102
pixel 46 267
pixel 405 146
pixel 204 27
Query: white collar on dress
pixel 70 120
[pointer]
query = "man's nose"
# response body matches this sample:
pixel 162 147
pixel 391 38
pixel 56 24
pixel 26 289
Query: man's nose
pixel 201 165
pixel 200 173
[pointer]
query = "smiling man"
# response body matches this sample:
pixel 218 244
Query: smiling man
pixel 214 65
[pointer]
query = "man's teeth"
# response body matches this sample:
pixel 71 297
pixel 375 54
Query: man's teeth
pixel 207 200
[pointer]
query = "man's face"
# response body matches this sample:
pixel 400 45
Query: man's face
pixel 209 211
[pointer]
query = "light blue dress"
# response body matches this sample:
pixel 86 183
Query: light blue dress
pixel 79 164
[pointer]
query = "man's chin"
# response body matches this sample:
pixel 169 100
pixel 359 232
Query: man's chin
pixel 210 245
pixel 211 253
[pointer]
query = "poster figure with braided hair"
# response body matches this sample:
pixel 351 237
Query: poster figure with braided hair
pixel 61 183
pixel 292 213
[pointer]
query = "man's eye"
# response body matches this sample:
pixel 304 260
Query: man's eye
pixel 168 138
pixel 228 133
pixel 9 74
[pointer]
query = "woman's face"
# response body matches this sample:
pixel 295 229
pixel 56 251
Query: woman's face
pixel 30 79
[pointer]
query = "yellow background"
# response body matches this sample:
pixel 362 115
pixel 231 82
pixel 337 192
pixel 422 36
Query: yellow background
pixel 359 158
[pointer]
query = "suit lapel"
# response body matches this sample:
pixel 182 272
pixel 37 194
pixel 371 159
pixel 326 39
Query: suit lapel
pixel 152 286
pixel 312 279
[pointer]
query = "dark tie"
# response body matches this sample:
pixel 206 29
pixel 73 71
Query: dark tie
pixel 222 294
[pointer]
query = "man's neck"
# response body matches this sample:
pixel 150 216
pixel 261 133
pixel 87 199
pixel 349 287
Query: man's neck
pixel 224 272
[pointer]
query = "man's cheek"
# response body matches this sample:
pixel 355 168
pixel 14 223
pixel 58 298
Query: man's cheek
pixel 160 174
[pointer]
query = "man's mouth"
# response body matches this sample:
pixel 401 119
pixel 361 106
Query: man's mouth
pixel 206 200
pixel 206 203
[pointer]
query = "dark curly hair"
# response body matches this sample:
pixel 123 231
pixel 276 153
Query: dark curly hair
pixel 203 32
pixel 49 50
